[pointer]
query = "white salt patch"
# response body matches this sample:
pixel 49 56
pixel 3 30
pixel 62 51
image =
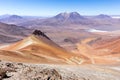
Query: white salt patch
pixel 116 17
pixel 95 30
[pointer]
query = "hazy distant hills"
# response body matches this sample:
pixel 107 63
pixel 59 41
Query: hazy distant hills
pixel 16 19
pixel 69 20
pixel 103 22
pixel 11 19
pixel 62 19
pixel 12 33
pixel 102 16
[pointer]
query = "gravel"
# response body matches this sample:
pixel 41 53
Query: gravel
pixel 23 71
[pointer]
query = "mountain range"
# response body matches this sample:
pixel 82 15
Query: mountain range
pixel 62 19
pixel 102 21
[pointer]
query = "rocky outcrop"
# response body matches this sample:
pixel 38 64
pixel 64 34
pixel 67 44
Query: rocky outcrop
pixel 57 72
pixel 40 33
pixel 2 74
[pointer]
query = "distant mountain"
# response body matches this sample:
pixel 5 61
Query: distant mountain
pixel 105 23
pixel 11 33
pixel 72 15
pixel 62 19
pixel 103 16
pixel 13 19
pixel 71 18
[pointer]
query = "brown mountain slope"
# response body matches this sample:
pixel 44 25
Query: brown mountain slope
pixel 110 46
pixel 38 49
pixel 101 51
pixel 12 33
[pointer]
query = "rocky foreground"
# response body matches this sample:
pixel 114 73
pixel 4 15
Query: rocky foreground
pixel 23 71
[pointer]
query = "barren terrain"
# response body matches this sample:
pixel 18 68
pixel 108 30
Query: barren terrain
pixel 67 46
pixel 22 71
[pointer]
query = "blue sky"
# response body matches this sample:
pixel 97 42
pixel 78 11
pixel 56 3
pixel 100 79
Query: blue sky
pixel 53 7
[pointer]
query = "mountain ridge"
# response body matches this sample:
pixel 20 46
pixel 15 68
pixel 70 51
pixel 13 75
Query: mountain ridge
pixel 40 48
